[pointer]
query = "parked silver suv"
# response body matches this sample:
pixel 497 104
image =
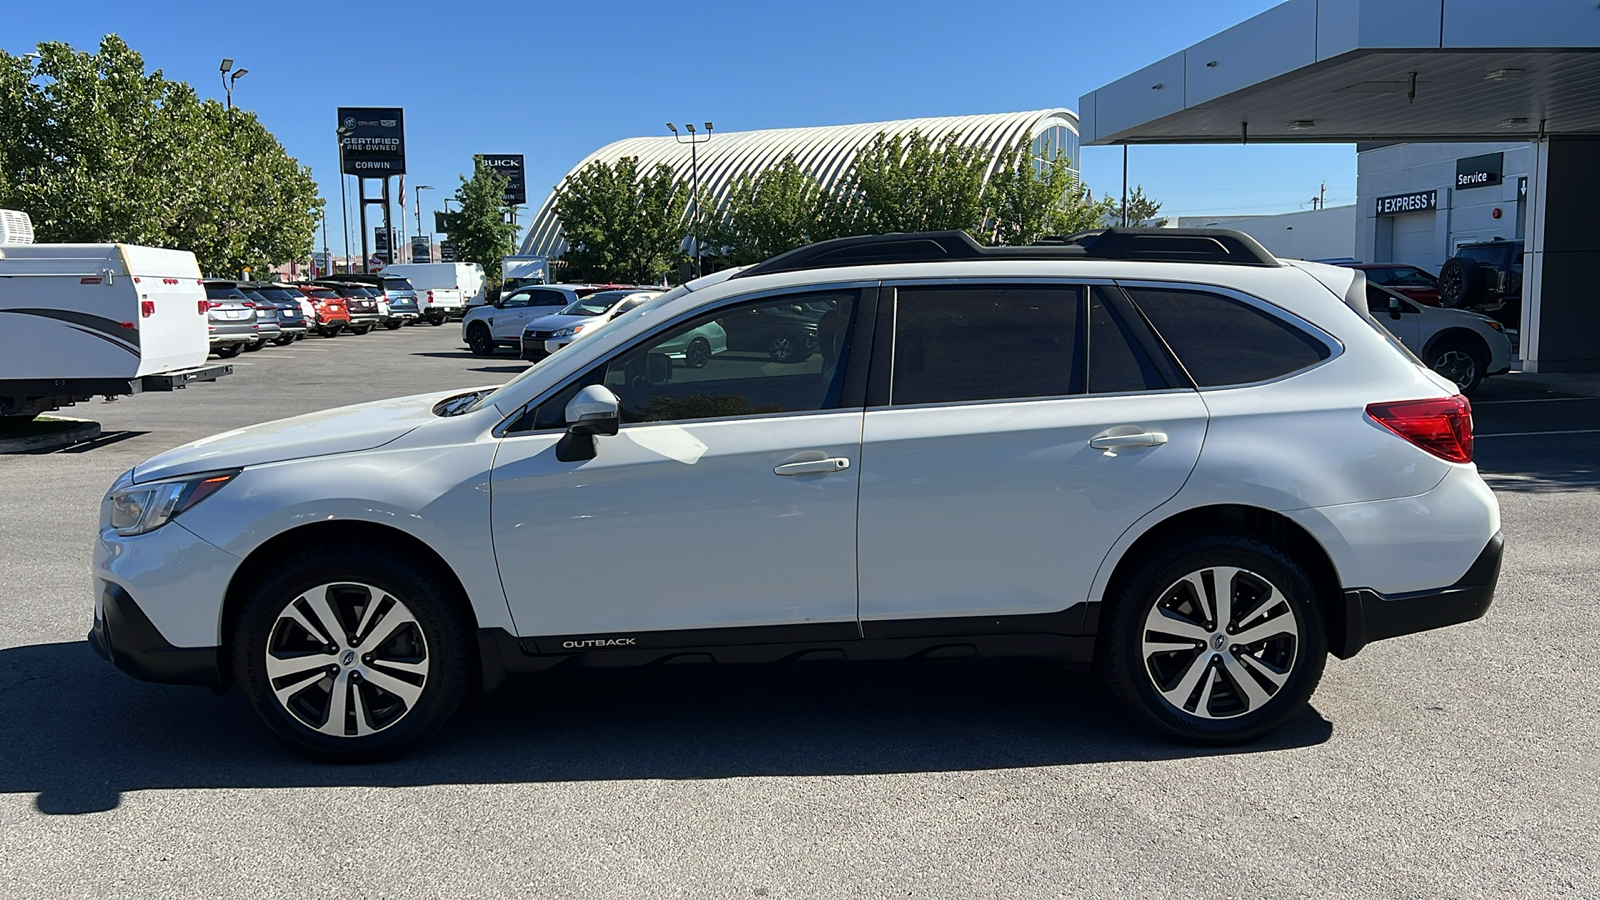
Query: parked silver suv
pixel 1163 455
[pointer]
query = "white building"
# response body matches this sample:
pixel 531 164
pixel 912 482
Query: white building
pixel 1419 202
pixel 1307 234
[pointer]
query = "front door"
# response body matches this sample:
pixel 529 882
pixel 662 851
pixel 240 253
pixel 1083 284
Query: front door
pixel 1027 427
pixel 727 500
pixel 507 321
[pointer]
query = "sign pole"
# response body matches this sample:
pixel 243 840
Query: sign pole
pixel 361 195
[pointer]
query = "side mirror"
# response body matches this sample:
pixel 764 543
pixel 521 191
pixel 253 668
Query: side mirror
pixel 1394 307
pixel 594 411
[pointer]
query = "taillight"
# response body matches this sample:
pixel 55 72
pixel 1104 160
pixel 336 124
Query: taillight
pixel 212 304
pixel 1442 427
pixel 430 296
pixel 204 305
pixel 147 308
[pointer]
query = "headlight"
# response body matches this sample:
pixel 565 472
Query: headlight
pixel 137 508
pixel 1495 325
pixel 569 331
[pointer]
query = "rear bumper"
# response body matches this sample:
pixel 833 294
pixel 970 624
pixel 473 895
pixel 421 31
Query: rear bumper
pixel 126 637
pixel 1370 616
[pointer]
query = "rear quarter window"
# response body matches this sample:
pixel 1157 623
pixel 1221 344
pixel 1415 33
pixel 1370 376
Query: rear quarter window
pixel 1222 341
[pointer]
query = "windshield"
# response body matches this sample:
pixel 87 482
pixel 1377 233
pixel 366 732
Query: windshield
pixel 324 294
pixel 595 304
pixel 1493 255
pixel 224 293
pixel 397 284
pixel 275 293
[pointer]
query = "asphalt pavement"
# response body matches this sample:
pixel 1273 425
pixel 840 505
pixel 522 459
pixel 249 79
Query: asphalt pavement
pixel 1459 763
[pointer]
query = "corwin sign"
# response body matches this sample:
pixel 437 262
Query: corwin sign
pixel 372 141
pixel 509 167
pixel 1479 171
pixel 1421 201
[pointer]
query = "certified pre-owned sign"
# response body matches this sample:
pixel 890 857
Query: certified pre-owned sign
pixel 1479 171
pixel 509 167
pixel 372 141
pixel 1421 201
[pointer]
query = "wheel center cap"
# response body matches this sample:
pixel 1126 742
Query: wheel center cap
pixel 348 658
pixel 1218 641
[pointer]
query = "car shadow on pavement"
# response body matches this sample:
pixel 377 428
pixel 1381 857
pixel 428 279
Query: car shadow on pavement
pixel 78 733
pixel 458 354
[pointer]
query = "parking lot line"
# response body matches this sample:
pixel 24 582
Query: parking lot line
pixel 1536 400
pixel 1537 433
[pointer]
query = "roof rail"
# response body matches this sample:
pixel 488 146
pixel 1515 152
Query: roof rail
pixel 1204 245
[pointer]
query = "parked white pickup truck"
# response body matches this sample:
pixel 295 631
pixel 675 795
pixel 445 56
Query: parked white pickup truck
pixel 81 320
pixel 444 290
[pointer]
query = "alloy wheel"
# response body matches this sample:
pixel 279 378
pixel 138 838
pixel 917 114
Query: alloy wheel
pixel 698 353
pixel 783 349
pixel 347 660
pixel 1458 366
pixel 1220 642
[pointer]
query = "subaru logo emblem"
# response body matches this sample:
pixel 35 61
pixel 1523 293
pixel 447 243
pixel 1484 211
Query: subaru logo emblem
pixel 349 658
pixel 1218 641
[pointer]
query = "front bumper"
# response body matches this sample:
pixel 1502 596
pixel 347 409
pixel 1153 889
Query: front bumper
pixel 125 636
pixel 1370 616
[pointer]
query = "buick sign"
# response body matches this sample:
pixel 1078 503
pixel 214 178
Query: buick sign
pixel 509 167
pixel 372 142
pixel 1420 201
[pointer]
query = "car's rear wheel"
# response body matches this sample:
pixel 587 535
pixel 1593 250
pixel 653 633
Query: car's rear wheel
pixel 1461 362
pixel 393 324
pixel 697 354
pixel 228 351
pixel 1215 639
pixel 351 655
pixel 253 346
pixel 360 329
pixel 787 348
pixel 284 341
pixel 480 341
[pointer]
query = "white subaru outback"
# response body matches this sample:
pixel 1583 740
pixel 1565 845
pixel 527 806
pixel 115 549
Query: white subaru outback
pixel 1166 455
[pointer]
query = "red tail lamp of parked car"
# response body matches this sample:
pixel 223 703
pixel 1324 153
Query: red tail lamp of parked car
pixel 1442 426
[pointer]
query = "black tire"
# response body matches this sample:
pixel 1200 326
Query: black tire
pixel 255 345
pixel 440 639
pixel 1462 361
pixel 360 329
pixel 479 339
pixel 697 354
pixel 1460 283
pixel 393 324
pixel 228 351
pixel 436 321
pixel 284 341
pixel 1233 715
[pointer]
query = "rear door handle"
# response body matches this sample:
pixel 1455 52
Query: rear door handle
pixel 813 466
pixel 1124 441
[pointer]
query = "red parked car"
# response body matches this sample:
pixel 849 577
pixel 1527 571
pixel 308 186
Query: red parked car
pixel 332 315
pixel 1417 284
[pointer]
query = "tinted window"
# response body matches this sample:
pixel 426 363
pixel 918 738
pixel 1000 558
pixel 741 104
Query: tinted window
pixel 1116 363
pixel 985 342
pixel 224 293
pixel 1410 278
pixel 397 284
pixel 1223 341
pixel 714 366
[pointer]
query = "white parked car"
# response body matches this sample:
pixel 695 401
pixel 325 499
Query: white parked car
pixel 546 335
pixel 1161 454
pixel 500 324
pixel 1463 346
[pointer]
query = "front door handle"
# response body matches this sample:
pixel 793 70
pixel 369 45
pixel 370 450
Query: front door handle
pixel 1125 441
pixel 813 466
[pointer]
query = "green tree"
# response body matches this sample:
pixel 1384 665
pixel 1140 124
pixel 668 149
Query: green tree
pixel 1142 210
pixel 481 230
pixel 767 214
pixel 911 183
pixel 621 223
pixel 96 150
pixel 1028 199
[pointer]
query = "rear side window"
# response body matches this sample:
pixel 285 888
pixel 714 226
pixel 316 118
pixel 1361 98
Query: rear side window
pixel 985 342
pixel 1116 364
pixel 1221 341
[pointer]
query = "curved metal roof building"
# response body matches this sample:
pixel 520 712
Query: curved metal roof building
pixel 826 152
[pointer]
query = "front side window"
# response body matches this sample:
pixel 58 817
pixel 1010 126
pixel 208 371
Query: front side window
pixel 1411 278
pixel 699 370
pixel 1222 341
pixel 968 343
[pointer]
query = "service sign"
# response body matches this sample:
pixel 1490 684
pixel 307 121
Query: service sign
pixel 372 141
pixel 509 167
pixel 1419 201
pixel 1479 171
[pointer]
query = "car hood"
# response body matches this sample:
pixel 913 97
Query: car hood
pixel 554 323
pixel 343 430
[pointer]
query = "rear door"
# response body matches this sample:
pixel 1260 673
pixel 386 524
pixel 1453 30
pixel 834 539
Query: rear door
pixel 1014 431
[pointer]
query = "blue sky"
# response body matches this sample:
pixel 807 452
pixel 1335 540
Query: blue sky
pixel 554 81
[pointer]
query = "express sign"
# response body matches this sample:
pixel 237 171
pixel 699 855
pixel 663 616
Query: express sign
pixel 1421 201
pixel 509 167
pixel 372 141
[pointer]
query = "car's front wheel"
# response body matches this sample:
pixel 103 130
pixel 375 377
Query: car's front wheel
pixel 697 354
pixel 1460 362
pixel 350 655
pixel 1215 639
pixel 479 340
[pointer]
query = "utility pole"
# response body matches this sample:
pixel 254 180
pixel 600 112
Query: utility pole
pixel 694 141
pixel 1124 185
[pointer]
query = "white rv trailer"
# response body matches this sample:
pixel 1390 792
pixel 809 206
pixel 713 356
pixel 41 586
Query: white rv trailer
pixel 84 320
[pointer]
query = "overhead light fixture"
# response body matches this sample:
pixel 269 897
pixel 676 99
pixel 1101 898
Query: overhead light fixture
pixel 1514 122
pixel 1302 124
pixel 1503 75
pixel 227 64
pixel 672 128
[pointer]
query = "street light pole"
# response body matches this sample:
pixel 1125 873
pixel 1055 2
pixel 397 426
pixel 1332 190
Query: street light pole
pixel 420 189
pixel 694 141
pixel 228 80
